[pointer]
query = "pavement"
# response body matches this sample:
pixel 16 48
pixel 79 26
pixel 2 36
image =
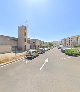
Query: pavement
pixel 50 72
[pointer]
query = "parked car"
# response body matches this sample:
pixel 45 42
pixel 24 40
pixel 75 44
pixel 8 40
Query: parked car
pixel 32 53
pixel 41 51
pixel 60 46
pixel 72 51
pixel 46 49
pixel 68 51
pixel 63 49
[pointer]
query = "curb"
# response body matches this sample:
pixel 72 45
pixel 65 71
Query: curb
pixel 4 64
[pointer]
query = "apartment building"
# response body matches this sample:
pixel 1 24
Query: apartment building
pixel 71 41
pixel 79 40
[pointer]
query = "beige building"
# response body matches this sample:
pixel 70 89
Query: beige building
pixel 5 48
pixel 28 40
pixel 12 44
pixel 22 43
pixel 45 44
pixel 8 44
pixel 71 41
pixel 22 37
pixel 79 40
pixel 6 40
pixel 35 43
pixel 41 43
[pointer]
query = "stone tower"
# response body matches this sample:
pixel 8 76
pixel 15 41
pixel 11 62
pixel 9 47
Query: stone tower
pixel 22 37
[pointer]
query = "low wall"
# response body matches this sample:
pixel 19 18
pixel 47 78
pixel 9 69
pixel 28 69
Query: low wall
pixel 5 48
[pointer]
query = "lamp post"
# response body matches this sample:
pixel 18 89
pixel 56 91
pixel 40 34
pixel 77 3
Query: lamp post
pixel 15 50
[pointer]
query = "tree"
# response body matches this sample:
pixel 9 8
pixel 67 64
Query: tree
pixel 50 44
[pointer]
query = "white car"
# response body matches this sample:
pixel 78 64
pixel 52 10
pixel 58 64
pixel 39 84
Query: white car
pixel 32 53
pixel 41 51
pixel 46 49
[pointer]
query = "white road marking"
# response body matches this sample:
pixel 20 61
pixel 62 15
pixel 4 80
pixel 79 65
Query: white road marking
pixel 69 57
pixel 64 58
pixel 44 64
pixel 23 60
pixel 26 62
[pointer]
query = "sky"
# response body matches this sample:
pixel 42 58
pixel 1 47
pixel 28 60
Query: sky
pixel 47 20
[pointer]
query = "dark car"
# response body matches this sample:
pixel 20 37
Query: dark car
pixel 59 47
pixel 63 49
pixel 41 51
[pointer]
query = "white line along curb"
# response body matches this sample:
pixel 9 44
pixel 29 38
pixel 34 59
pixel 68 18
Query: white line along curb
pixel 44 64
pixel 4 64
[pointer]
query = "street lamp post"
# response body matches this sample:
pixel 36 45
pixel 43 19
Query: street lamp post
pixel 15 50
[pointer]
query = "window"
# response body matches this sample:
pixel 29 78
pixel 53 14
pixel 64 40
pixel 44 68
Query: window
pixel 25 47
pixel 25 40
pixel 25 34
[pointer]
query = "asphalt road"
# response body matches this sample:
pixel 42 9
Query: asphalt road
pixel 60 74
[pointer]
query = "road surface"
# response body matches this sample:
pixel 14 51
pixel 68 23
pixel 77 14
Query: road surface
pixel 60 74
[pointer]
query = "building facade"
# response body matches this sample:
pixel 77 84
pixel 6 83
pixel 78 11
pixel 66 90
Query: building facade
pixel 71 41
pixel 8 44
pixel 35 44
pixel 12 44
pixel 6 40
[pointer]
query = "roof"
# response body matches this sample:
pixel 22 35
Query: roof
pixel 12 38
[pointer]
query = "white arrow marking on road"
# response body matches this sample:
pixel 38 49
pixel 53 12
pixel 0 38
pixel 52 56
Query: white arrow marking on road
pixel 44 64
pixel 64 58
pixel 69 57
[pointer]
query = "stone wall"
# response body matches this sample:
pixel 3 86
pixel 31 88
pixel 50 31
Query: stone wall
pixel 5 48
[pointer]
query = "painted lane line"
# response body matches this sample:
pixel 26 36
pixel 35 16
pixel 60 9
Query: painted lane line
pixel 26 62
pixel 23 60
pixel 68 57
pixel 64 58
pixel 44 64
